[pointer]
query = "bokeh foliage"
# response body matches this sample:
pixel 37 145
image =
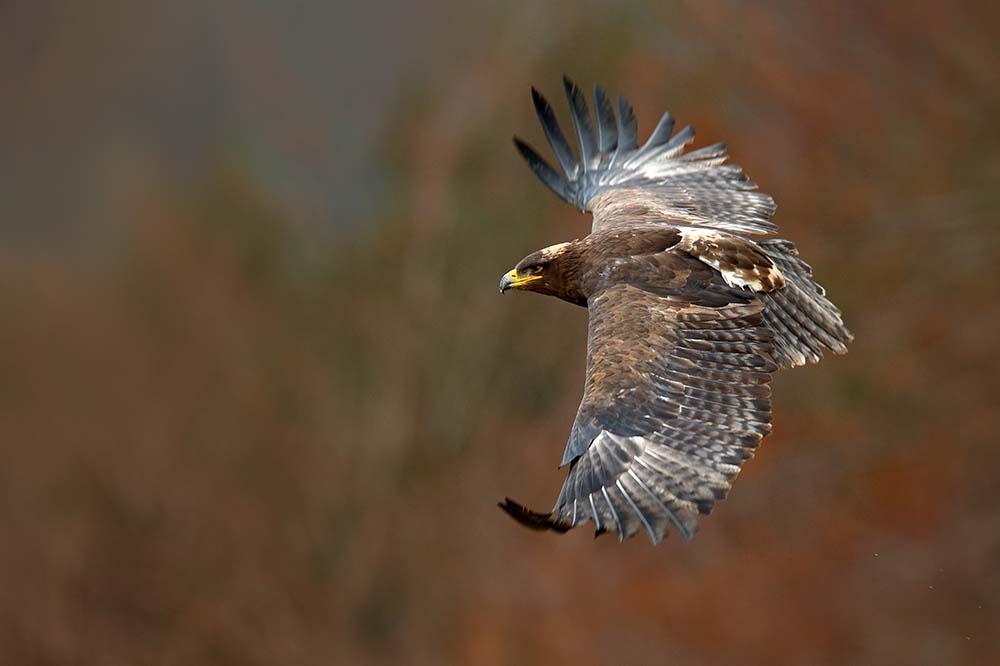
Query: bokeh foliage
pixel 230 436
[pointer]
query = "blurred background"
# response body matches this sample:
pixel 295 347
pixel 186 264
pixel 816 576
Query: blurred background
pixel 259 394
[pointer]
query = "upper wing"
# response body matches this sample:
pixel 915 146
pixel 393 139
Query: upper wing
pixel 619 181
pixel 677 397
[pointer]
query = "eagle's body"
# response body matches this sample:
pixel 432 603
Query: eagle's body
pixel 689 316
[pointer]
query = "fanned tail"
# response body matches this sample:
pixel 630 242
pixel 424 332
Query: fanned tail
pixel 806 324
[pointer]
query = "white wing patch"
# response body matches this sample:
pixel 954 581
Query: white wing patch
pixel 740 261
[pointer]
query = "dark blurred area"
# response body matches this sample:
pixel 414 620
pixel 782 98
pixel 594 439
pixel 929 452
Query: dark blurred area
pixel 259 395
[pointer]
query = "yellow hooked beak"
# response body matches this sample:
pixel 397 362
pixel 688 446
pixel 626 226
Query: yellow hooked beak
pixel 512 281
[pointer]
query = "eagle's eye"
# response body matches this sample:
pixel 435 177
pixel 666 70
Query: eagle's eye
pixel 531 269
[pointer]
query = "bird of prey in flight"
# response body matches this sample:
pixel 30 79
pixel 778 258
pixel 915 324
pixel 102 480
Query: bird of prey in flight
pixel 691 311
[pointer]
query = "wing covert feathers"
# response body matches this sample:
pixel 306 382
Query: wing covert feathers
pixel 742 263
pixel 621 183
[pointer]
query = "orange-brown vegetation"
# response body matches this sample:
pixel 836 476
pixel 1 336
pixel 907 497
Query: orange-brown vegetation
pixel 231 436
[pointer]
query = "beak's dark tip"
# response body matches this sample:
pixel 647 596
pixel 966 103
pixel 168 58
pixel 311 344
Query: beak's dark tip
pixel 505 282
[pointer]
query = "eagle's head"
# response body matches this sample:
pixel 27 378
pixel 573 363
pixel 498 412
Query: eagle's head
pixel 553 271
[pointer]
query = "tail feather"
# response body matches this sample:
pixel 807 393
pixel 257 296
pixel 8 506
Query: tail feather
pixel 806 324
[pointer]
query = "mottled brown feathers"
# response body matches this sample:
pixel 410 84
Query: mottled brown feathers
pixel 741 262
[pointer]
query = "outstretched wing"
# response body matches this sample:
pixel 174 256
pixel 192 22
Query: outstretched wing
pixel 677 397
pixel 618 180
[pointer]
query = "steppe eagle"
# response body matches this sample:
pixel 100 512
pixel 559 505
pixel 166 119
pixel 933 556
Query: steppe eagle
pixel 691 312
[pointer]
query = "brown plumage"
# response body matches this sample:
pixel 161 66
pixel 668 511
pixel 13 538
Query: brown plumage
pixel 689 317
